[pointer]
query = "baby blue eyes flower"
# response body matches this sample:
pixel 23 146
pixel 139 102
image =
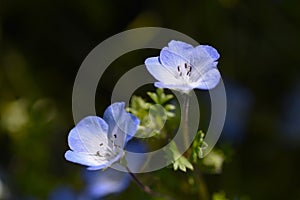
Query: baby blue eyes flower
pixel 99 185
pixel 98 143
pixel 180 66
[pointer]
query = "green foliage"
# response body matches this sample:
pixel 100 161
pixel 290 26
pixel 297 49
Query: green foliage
pixel 153 115
pixel 214 161
pixel 30 127
pixel 197 147
pixel 139 107
pixel 180 162
pixel 161 98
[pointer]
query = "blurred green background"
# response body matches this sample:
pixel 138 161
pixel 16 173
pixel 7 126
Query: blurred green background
pixel 42 45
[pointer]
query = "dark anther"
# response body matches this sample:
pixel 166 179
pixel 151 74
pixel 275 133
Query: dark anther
pixel 189 71
pixel 115 135
pixel 185 65
pixel 178 68
pixel 101 144
pixel 180 74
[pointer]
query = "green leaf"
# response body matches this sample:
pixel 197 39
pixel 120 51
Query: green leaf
pixel 180 162
pixel 198 147
pixel 139 107
pixel 152 115
pixel 170 107
pixel 183 163
pixel 160 97
pixel 153 96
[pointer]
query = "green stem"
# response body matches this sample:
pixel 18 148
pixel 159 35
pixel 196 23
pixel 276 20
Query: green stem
pixel 186 100
pixel 145 188
pixel 203 193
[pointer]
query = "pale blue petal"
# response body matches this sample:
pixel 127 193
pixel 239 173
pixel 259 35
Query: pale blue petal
pixel 200 58
pixel 180 48
pixel 160 85
pixel 172 60
pixel 208 80
pixel 88 134
pixel 135 162
pixel 121 123
pixel 108 164
pixel 86 159
pixel 107 182
pixel 160 72
pixel 212 52
pixel 93 168
pixel 180 87
pixel 198 72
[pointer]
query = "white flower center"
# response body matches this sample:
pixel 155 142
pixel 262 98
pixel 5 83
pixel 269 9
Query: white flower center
pixel 111 150
pixel 184 72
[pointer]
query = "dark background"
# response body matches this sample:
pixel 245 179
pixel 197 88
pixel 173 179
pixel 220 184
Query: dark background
pixel 42 44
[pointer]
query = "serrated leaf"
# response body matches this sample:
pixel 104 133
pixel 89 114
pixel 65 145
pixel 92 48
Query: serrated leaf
pixel 180 162
pixel 198 147
pixel 160 97
pixel 169 107
pixel 168 97
pixel 153 96
pixel 183 163
pixel 170 114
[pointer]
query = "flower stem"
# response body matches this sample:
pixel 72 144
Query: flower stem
pixel 145 188
pixel 186 100
pixel 203 193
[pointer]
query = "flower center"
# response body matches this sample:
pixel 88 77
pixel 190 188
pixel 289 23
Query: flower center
pixel 184 71
pixel 111 150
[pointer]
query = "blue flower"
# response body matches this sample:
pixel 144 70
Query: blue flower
pixel 62 193
pixel 183 67
pixel 98 143
pixel 99 185
pixel 239 106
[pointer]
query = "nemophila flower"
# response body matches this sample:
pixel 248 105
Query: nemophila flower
pixel 98 143
pixel 180 66
pixel 99 185
pixel 239 106
pixel 110 181
pixel 62 193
